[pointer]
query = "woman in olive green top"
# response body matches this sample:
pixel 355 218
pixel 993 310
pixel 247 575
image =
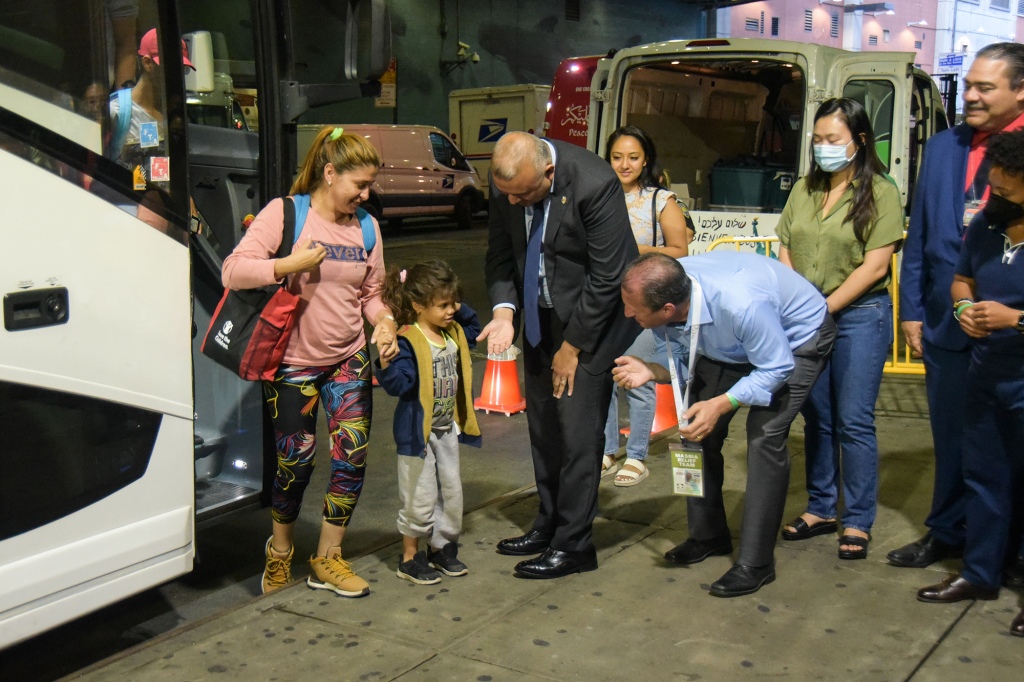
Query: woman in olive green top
pixel 839 229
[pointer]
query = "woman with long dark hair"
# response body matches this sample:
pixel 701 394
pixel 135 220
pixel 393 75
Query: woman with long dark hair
pixel 839 229
pixel 659 225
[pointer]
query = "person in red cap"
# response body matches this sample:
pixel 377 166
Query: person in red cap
pixel 139 134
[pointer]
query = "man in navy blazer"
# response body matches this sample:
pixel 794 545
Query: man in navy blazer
pixel 571 201
pixel 993 102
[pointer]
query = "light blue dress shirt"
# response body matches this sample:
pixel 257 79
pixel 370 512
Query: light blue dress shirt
pixel 755 310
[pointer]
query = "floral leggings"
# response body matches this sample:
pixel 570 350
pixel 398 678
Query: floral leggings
pixel 292 398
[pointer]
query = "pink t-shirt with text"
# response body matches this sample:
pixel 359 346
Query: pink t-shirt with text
pixel 334 297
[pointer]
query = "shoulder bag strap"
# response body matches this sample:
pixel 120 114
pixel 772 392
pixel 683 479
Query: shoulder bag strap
pixel 302 202
pixel 289 236
pixel 654 217
pixel 369 234
pixel 124 121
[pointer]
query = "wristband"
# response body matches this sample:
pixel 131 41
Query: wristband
pixel 732 401
pixel 388 317
pixel 961 307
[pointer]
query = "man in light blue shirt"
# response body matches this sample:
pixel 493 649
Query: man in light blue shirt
pixel 764 334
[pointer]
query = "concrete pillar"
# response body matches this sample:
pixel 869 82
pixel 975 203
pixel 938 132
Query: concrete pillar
pixel 853 28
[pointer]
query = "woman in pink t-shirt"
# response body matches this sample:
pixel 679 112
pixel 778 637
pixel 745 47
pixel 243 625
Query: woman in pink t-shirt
pixel 327 359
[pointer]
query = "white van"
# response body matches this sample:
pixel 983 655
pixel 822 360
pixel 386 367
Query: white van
pixel 422 173
pixel 732 118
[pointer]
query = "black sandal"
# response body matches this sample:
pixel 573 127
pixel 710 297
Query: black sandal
pixel 803 530
pixel 862 547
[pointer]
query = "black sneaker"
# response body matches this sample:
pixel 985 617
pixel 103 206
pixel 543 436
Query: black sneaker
pixel 446 560
pixel 417 570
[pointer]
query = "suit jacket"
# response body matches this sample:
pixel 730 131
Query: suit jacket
pixel 934 238
pixel 587 246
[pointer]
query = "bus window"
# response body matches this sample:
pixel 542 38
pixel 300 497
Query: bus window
pixel 61 112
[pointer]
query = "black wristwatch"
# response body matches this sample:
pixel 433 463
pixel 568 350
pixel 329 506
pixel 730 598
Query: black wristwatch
pixel 1020 323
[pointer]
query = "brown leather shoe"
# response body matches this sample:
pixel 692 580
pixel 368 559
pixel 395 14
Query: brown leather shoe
pixel 954 589
pixel 1017 625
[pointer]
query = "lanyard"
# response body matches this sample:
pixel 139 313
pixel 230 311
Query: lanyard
pixel 683 400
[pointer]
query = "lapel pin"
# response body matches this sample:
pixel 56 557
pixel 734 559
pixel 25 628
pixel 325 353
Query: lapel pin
pixel 563 201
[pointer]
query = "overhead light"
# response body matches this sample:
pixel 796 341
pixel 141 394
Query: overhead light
pixel 922 22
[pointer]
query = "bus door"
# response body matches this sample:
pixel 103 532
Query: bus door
pixel 96 498
pixel 234 172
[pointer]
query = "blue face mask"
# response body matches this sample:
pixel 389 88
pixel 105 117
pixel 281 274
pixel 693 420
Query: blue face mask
pixel 832 157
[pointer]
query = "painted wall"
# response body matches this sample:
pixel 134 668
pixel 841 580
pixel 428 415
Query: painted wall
pixel 831 25
pixel 791 21
pixel 518 41
pixel 891 31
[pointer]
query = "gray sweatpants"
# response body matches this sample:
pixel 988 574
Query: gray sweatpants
pixel 430 489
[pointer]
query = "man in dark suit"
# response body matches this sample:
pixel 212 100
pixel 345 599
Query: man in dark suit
pixel 559 243
pixel 951 186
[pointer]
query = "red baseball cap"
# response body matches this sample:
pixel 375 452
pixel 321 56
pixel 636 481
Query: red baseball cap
pixel 149 47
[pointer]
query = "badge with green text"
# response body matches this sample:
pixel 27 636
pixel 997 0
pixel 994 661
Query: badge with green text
pixel 687 468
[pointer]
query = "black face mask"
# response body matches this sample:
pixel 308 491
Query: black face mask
pixel 1001 211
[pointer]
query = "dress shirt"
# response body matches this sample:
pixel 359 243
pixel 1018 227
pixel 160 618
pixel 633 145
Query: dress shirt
pixel 824 249
pixel 979 142
pixel 754 311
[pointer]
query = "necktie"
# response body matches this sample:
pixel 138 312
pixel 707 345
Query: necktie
pixel 531 276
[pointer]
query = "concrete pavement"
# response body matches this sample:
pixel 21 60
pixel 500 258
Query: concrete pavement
pixel 635 617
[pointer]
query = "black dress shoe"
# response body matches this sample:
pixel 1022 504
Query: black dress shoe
pixel 532 543
pixel 1013 575
pixel 740 580
pixel 954 589
pixel 1017 625
pixel 555 564
pixel 695 551
pixel 923 553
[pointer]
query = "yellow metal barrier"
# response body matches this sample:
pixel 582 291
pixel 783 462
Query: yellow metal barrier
pixel 900 360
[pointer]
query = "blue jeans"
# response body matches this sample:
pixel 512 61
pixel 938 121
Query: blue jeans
pixel 641 407
pixel 839 415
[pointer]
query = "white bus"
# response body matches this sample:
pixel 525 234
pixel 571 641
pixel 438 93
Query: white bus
pixel 117 437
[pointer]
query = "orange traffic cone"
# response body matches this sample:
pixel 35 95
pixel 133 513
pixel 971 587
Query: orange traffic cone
pixel 664 410
pixel 500 392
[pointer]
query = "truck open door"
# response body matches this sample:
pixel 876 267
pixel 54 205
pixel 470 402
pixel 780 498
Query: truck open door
pixel 884 85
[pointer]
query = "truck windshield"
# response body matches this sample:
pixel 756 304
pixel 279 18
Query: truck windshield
pixel 727 128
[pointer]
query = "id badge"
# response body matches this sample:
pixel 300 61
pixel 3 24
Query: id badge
pixel 687 468
pixel 971 209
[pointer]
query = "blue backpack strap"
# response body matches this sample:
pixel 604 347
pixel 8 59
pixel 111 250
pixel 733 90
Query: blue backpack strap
pixel 124 121
pixel 369 234
pixel 301 209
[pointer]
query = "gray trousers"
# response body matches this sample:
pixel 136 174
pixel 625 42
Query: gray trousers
pixel 430 489
pixel 767 451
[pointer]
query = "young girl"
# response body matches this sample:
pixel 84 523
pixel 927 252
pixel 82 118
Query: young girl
pixel 433 415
